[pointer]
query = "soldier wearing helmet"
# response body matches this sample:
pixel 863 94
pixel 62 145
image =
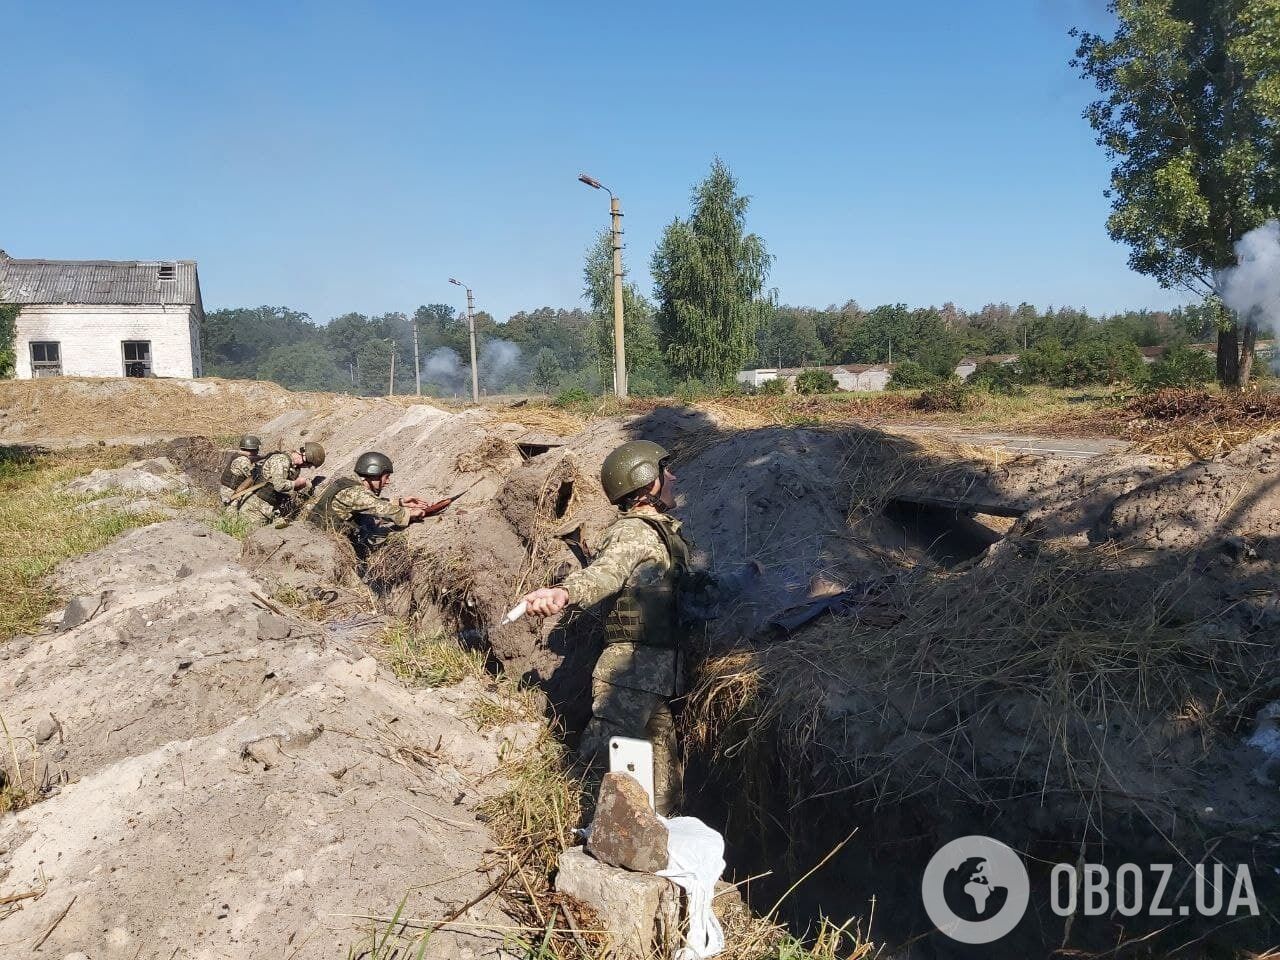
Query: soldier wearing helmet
pixel 355 505
pixel 275 481
pixel 238 470
pixel 642 560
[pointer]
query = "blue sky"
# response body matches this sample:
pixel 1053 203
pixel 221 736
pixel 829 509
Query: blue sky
pixel 336 157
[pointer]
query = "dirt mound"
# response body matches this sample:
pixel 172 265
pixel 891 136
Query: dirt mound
pixel 72 411
pixel 217 777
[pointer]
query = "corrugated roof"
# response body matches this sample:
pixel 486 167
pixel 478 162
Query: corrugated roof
pixel 128 282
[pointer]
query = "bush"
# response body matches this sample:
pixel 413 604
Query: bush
pixel 1001 378
pixel 1180 367
pixel 1093 361
pixel 815 381
pixel 8 334
pixel 909 375
pixel 573 397
pixel 773 388
pixel 950 395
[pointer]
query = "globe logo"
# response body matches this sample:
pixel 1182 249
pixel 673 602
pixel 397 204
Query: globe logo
pixel 975 889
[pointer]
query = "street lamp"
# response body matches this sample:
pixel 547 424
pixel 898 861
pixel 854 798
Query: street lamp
pixel 471 327
pixel 619 348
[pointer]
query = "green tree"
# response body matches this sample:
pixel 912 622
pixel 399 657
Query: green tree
pixel 709 276
pixel 1189 109
pixel 8 337
pixel 302 366
pixel 546 370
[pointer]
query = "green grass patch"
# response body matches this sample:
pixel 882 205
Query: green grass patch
pixel 431 660
pixel 40 527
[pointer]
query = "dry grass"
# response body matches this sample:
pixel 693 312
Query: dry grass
pixel 434 660
pixel 1199 423
pixel 40 527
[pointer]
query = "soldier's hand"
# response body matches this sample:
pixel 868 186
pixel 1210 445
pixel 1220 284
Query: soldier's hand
pixel 546 602
pixel 301 483
pixel 437 507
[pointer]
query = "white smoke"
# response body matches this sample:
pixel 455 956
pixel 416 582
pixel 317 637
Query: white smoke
pixel 499 365
pixel 1252 287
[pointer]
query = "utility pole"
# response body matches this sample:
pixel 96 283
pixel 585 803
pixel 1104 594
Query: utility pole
pixel 417 367
pixel 471 329
pixel 391 379
pixel 619 324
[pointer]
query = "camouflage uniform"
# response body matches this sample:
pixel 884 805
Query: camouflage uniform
pixel 348 506
pixel 639 671
pixel 238 469
pixel 277 474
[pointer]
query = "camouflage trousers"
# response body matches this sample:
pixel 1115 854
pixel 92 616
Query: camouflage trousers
pixel 632 687
pixel 256 512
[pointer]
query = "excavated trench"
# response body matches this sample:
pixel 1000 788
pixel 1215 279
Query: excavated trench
pixel 780 497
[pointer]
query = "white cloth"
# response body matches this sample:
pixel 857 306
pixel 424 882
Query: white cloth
pixel 695 861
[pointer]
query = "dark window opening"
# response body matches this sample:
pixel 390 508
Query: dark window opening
pixel 137 358
pixel 563 498
pixel 46 358
pixel 168 271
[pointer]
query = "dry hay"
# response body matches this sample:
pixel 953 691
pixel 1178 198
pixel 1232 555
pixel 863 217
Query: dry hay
pixel 548 419
pixel 495 453
pixel 1199 423
pixel 1057 678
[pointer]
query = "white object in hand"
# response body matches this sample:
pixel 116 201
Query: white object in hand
pixel 516 612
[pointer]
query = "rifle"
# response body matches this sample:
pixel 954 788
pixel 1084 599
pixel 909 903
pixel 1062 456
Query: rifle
pixel 440 505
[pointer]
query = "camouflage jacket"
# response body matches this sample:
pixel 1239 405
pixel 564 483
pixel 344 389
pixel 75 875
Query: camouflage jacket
pixel 238 470
pixel 359 501
pixel 279 472
pixel 628 544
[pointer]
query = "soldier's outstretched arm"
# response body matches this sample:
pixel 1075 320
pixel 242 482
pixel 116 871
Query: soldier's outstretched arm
pixel 625 548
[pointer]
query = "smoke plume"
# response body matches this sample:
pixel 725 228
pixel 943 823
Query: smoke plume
pixel 1252 287
pixel 499 367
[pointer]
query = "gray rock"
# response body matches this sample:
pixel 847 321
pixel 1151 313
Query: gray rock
pixel 640 911
pixel 625 831
pixel 46 728
pixel 272 627
pixel 80 610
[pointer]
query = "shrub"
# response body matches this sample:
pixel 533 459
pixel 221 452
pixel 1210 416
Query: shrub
pixel 909 375
pixel 1001 378
pixel 950 395
pixel 815 381
pixel 573 397
pixel 1180 367
pixel 773 388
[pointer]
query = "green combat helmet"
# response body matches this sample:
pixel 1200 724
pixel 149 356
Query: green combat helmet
pixel 250 442
pixel 373 465
pixel 633 466
pixel 312 453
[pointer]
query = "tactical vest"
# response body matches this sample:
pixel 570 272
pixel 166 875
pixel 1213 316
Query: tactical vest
pixel 231 479
pixel 266 491
pixel 322 513
pixel 649 613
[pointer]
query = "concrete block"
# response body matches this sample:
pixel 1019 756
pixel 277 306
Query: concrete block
pixel 641 911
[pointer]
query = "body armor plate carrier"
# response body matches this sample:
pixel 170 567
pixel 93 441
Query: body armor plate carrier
pixel 322 513
pixel 649 613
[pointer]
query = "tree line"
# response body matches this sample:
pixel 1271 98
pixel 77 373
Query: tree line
pixel 711 316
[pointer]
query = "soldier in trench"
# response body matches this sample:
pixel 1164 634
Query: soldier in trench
pixel 238 470
pixel 276 479
pixel 644 563
pixel 355 507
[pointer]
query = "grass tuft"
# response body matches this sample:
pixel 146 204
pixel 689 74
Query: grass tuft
pixel 432 660
pixel 40 527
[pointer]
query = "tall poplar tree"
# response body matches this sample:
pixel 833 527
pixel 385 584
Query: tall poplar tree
pixel 1189 112
pixel 709 276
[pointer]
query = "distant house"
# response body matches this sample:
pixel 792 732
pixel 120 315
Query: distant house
pixel 849 377
pixel 104 318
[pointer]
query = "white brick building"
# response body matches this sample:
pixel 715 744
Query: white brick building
pixel 104 318
pixel 849 377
